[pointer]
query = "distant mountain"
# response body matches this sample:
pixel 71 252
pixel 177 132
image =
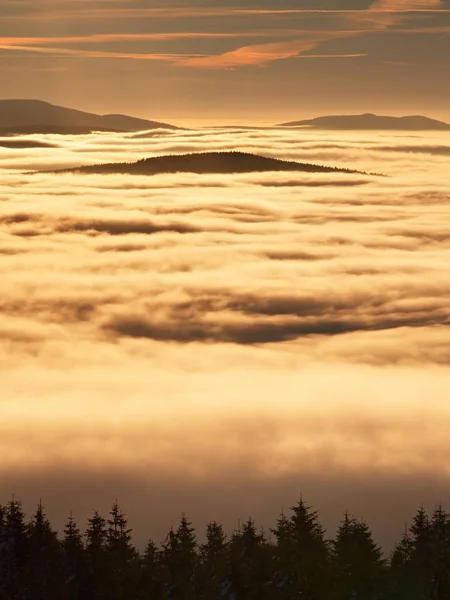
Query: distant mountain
pixel 369 121
pixel 35 116
pixel 205 162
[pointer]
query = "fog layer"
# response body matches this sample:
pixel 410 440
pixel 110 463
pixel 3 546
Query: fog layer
pixel 220 344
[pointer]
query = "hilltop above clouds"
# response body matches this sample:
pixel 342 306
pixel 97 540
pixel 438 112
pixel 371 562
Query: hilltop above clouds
pixel 372 122
pixel 36 116
pixel 206 162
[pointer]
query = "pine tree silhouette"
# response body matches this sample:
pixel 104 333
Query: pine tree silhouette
pixel 121 555
pixel 45 558
pixel 440 553
pixel 181 560
pixel 214 582
pixel 421 556
pixel 97 559
pixel 14 552
pixel 358 567
pixel 251 563
pixel 152 576
pixel 302 555
pixel 74 561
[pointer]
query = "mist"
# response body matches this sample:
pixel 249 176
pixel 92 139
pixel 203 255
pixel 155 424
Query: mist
pixel 220 344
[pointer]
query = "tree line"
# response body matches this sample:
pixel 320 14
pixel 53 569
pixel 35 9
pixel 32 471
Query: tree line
pixel 292 561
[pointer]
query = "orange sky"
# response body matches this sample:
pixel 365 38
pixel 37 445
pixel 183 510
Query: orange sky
pixel 226 60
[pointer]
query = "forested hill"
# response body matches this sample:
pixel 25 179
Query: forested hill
pixel 206 162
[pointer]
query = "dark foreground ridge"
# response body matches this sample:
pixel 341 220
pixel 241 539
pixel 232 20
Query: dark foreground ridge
pixel 294 560
pixel 371 122
pixel 35 116
pixel 205 162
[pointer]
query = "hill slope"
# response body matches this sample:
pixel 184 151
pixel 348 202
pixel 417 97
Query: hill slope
pixel 206 162
pixel 35 116
pixel 369 121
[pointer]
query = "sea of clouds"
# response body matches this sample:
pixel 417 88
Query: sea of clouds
pixel 219 344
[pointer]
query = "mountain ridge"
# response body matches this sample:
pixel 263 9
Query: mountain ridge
pixel 37 116
pixel 369 121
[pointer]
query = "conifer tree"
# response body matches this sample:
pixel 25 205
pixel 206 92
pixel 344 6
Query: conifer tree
pixel 14 552
pixel 216 542
pixel 2 547
pixel 45 558
pixel 400 576
pixel 402 553
pixel 251 563
pixel 302 555
pixel 440 553
pixel 152 573
pixel 214 563
pixel 284 562
pixel 74 561
pixel 121 555
pixel 96 556
pixel 358 567
pixel 180 554
pixel 421 570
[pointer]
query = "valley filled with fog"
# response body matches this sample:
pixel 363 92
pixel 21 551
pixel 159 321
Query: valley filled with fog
pixel 221 343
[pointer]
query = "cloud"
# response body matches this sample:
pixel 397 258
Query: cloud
pixel 260 54
pixel 257 334
pixel 425 149
pixel 92 53
pixel 283 41
pixel 406 5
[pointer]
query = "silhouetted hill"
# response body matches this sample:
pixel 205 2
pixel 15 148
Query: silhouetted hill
pixel 206 162
pixel 369 121
pixel 35 116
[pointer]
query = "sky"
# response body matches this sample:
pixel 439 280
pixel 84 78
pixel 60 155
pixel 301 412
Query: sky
pixel 224 60
pixel 221 344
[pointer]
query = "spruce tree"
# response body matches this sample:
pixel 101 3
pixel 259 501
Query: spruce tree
pixel 401 584
pixel 152 573
pixel 97 559
pixel 284 562
pixel 358 567
pixel 44 577
pixel 180 557
pixel 421 571
pixel 3 545
pixel 302 555
pixel 402 553
pixel 440 553
pixel 74 561
pixel 251 563
pixel 121 555
pixel 14 552
pixel 214 563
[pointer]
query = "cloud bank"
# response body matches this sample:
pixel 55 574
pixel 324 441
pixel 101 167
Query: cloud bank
pixel 289 331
